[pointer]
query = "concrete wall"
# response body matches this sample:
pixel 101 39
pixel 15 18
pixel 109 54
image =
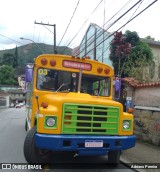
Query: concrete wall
pixel 149 96
pixel 147 114
pixel 4 101
pixel 147 126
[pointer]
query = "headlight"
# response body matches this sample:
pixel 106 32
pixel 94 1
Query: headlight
pixel 50 122
pixel 126 125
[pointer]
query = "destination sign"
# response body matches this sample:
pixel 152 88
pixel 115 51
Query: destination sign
pixel 77 65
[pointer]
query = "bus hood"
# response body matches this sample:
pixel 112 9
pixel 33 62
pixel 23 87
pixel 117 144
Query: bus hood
pixel 82 98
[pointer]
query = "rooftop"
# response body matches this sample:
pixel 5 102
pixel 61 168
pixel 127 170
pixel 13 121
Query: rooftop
pixel 151 42
pixel 137 84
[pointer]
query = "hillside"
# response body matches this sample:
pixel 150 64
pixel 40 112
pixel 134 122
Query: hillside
pixel 28 52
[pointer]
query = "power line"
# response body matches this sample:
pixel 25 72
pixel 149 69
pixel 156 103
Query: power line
pixel 135 10
pixel 89 17
pixel 47 28
pixel 106 22
pixel 69 22
pixel 103 51
pixel 11 39
pixel 83 24
pixel 54 27
pixel 112 24
pixel 126 23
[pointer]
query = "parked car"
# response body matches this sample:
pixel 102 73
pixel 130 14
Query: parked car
pixel 18 106
pixel 21 104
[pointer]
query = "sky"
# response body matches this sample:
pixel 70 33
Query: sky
pixel 17 19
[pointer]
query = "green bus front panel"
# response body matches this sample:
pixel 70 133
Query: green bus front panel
pixel 90 119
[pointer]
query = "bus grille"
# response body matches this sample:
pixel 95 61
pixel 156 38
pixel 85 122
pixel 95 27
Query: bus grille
pixel 90 119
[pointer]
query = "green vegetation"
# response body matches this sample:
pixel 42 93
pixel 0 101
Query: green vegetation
pixel 126 63
pixel 149 37
pixel 7 75
pixel 13 61
pixel 27 53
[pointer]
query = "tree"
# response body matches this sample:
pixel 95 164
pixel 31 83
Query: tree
pixel 121 59
pixel 15 58
pixel 140 67
pixel 8 59
pixel 7 75
pixel 149 37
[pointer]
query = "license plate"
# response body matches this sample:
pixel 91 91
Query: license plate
pixel 93 143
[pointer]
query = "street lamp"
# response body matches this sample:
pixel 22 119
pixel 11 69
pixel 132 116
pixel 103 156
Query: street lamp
pixel 33 42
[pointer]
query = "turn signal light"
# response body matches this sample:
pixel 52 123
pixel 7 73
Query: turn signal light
pixel 106 71
pixel 130 110
pixel 52 62
pixel 99 69
pixel 67 118
pixel 44 61
pixel 44 104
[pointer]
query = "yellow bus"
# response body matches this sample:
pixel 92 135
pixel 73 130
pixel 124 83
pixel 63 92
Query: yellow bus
pixel 69 107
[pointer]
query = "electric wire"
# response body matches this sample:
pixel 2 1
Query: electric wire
pixel 135 11
pixel 103 30
pixel 113 24
pixel 47 28
pixel 83 25
pixel 127 22
pixel 11 39
pixel 92 14
pixel 105 24
pixel 107 21
pixel 122 29
pixel 69 22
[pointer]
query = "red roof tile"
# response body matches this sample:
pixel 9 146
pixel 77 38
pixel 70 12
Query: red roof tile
pixel 137 84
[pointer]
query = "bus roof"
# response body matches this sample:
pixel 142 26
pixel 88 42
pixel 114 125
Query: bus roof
pixel 73 64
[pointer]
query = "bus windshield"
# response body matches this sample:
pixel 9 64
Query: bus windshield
pixel 64 81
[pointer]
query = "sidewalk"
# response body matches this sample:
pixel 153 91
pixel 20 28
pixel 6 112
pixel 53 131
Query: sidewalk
pixel 142 153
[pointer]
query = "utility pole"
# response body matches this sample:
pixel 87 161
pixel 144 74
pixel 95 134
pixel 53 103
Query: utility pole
pixel 54 33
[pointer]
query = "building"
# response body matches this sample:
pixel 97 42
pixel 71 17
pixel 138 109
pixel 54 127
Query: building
pixel 95 44
pixel 145 98
pixel 154 68
pixel 21 82
pixel 8 87
pixel 17 96
pixel 11 95
pixel 4 99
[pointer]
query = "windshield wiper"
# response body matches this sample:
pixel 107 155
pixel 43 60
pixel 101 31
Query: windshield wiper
pixel 64 84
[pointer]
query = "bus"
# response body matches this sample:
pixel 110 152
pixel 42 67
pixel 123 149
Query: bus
pixel 70 108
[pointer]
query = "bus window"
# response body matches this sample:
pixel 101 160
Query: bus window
pixel 48 79
pixel 64 81
pixel 95 85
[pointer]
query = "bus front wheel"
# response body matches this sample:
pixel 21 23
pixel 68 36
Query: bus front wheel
pixel 32 154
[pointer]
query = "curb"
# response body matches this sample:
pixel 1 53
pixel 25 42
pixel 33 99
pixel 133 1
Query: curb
pixel 124 161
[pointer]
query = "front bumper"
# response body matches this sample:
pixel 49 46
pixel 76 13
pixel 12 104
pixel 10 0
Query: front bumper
pixel 77 143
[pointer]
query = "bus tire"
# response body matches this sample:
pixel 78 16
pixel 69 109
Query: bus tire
pixel 114 157
pixel 32 154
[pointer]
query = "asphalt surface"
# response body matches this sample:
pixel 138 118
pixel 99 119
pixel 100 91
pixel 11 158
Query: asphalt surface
pixel 12 136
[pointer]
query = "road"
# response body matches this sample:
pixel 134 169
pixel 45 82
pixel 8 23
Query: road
pixel 12 135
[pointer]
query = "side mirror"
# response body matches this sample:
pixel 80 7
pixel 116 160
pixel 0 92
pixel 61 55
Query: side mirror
pixel 117 88
pixel 29 73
